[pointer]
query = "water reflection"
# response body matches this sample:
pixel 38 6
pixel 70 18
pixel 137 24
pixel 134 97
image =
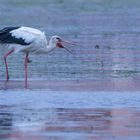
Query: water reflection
pixel 6 122
pixel 66 124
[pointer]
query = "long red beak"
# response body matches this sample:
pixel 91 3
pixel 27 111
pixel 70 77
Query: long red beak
pixel 59 44
pixel 67 50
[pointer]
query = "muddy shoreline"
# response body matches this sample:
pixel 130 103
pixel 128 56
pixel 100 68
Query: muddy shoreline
pixel 121 84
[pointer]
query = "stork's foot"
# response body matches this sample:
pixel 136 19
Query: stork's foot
pixel 7 79
pixel 26 85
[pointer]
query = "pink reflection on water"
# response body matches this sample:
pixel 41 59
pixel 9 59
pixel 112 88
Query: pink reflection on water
pixel 86 124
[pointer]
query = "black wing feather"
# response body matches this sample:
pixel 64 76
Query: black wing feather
pixel 7 38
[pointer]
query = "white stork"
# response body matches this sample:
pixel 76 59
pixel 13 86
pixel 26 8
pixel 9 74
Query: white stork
pixel 26 40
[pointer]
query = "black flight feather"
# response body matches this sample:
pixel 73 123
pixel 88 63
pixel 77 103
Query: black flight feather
pixel 7 38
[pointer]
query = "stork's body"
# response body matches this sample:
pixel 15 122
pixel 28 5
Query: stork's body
pixel 27 40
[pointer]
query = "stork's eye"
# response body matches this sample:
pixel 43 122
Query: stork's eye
pixel 58 38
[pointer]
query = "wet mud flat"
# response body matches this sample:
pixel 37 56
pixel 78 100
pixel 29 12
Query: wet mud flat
pixel 70 110
pixel 109 84
pixel 40 115
pixel 71 124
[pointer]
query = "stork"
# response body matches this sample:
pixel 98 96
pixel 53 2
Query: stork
pixel 27 40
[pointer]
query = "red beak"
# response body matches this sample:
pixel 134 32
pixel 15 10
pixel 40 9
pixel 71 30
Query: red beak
pixel 59 45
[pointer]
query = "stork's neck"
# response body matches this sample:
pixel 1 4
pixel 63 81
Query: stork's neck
pixel 48 47
pixel 51 45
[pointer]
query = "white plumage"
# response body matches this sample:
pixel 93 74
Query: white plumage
pixel 27 40
pixel 27 33
pixel 36 39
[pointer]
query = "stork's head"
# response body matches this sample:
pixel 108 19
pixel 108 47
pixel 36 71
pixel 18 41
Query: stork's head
pixel 58 42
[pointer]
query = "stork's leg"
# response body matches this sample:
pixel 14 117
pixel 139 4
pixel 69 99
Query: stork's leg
pixel 26 67
pixel 6 65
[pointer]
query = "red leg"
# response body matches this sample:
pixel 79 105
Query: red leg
pixel 26 66
pixel 6 65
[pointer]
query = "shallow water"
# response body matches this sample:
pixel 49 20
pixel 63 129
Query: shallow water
pixel 92 94
pixel 39 114
pixel 113 25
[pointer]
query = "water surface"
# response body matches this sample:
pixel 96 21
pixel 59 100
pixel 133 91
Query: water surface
pixel 92 94
pixel 113 25
pixel 39 114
